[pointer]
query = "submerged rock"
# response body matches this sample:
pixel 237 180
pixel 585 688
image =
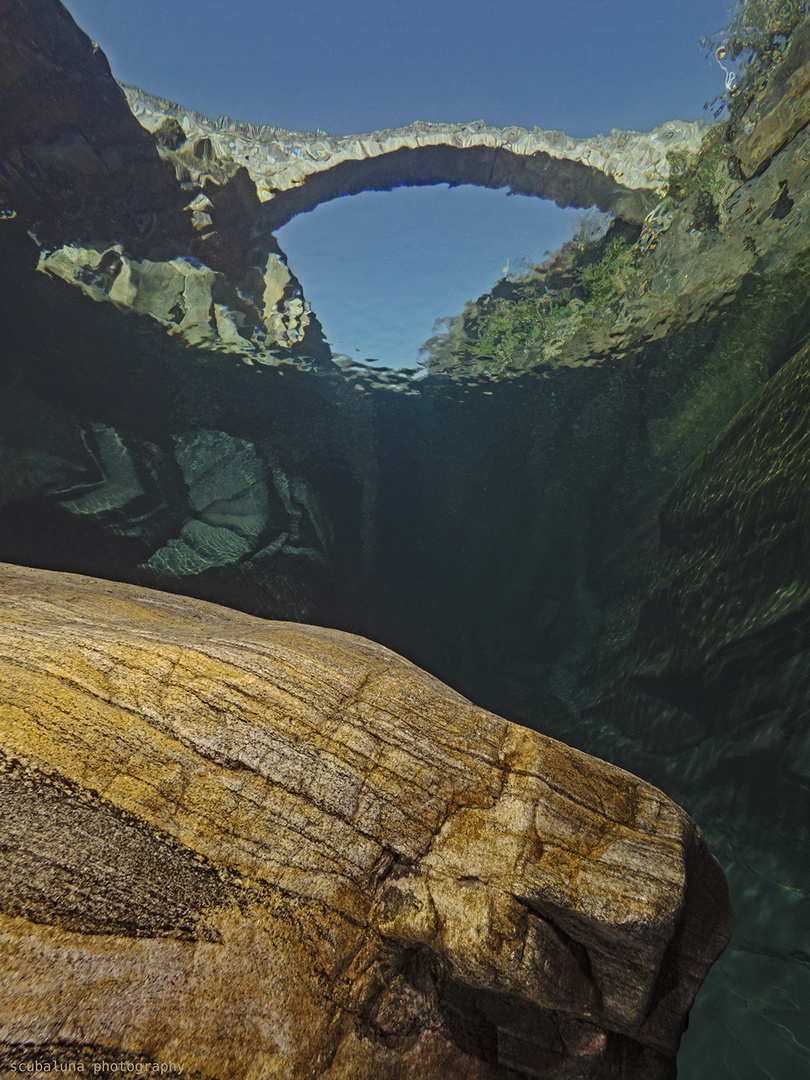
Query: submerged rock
pixel 254 848
pixel 695 673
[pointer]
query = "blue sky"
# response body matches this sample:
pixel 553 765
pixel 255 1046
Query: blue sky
pixel 378 268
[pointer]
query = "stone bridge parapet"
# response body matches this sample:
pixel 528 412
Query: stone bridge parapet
pixel 624 172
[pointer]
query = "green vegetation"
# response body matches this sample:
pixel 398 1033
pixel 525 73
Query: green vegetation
pixel 516 326
pixel 512 328
pixel 699 174
pixel 605 281
pixel 702 177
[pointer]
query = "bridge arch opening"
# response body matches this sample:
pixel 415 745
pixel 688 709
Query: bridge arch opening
pixel 380 268
pixel 567 181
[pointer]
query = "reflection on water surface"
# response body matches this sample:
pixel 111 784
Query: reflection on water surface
pixel 380 268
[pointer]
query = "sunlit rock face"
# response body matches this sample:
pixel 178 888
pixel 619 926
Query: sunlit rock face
pixel 782 111
pixel 257 320
pixel 247 847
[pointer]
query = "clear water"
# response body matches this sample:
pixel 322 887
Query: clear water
pixel 478 528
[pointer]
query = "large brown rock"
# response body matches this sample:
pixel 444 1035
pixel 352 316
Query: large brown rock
pixel 257 849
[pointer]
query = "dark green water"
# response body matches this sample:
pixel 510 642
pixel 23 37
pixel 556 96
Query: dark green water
pixel 504 535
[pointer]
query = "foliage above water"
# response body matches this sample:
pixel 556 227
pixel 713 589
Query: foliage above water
pixel 690 176
pixel 518 324
pixel 702 178
pixel 513 327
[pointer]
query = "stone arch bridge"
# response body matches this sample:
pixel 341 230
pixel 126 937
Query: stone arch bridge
pixel 294 172
pixel 90 197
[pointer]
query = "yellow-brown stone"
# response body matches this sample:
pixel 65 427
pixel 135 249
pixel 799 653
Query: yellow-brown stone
pixel 259 849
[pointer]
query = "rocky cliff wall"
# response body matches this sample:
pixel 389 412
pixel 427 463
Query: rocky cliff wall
pixel 108 214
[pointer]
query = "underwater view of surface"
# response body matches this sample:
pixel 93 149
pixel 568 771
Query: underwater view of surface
pixel 379 272
pixel 382 268
pixel 478 330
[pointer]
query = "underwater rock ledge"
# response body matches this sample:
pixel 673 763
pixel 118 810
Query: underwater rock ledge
pixel 252 847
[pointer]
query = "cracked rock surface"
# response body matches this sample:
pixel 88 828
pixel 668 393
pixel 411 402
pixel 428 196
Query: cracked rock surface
pixel 265 849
